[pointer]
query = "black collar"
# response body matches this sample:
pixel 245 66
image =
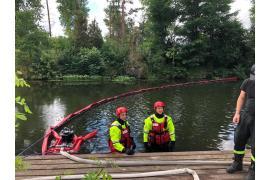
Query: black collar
pixel 159 115
pixel 122 122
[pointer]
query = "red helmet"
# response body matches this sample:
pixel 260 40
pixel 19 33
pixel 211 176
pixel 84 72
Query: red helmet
pixel 120 110
pixel 159 104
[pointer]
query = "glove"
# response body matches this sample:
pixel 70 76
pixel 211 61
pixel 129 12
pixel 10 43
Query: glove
pixel 147 147
pixel 171 146
pixel 129 151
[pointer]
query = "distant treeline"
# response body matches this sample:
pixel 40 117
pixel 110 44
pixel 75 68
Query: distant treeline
pixel 176 39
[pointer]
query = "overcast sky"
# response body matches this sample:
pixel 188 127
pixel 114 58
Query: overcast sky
pixel 97 11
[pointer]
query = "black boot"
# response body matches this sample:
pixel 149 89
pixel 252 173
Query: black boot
pixel 251 172
pixel 237 164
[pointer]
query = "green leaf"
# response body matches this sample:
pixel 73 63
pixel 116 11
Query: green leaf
pixel 27 109
pixel 17 82
pixel 21 83
pixel 26 84
pixel 17 99
pixel 58 178
pixel 19 102
pixel 20 116
pixel 22 101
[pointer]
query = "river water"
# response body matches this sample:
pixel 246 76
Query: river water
pixel 201 113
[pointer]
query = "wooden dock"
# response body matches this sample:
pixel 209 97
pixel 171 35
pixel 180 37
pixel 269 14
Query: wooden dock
pixel 57 165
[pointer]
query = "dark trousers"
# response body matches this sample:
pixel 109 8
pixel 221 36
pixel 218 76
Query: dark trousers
pixel 159 148
pixel 245 131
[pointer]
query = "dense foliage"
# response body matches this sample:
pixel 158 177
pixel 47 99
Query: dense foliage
pixel 177 39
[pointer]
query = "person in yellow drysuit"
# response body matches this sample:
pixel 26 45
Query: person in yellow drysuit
pixel 120 137
pixel 159 132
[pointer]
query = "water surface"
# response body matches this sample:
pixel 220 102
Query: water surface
pixel 201 113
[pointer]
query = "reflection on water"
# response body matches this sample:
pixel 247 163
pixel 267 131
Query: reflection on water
pixel 51 113
pixel 202 113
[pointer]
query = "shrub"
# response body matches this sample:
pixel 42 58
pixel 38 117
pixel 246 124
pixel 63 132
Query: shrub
pixel 20 164
pixel 90 61
pixel 124 79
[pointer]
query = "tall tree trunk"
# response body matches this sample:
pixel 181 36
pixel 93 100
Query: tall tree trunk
pixel 123 19
pixel 50 31
pixel 110 18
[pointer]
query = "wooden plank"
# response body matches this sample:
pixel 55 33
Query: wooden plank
pixel 236 176
pixel 69 166
pixel 114 155
pixel 60 165
pixel 226 176
pixel 206 157
pixel 199 169
pixel 74 166
pixel 216 158
pixel 146 155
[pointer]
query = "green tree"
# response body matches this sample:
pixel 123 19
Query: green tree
pixel 160 15
pixel 66 61
pixel 90 62
pixel 252 32
pixel 68 11
pixel 31 39
pixel 113 19
pixel 73 16
pixel 45 68
pixel 94 34
pixel 211 36
pixel 115 57
pixel 80 36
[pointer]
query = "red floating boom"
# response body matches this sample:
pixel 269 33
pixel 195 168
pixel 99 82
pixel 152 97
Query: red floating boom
pixel 79 139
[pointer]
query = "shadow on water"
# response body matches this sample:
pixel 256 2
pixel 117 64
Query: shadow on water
pixel 201 113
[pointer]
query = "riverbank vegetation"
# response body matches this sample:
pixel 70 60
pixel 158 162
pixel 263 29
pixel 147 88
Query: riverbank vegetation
pixel 20 164
pixel 176 39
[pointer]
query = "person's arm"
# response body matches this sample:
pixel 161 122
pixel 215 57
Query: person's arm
pixel 171 129
pixel 240 102
pixel 115 135
pixel 147 127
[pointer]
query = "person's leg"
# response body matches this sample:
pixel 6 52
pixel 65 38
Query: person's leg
pixel 251 171
pixel 153 148
pixel 241 136
pixel 165 147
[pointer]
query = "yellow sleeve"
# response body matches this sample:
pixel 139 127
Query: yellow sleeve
pixel 115 135
pixel 147 127
pixel 171 129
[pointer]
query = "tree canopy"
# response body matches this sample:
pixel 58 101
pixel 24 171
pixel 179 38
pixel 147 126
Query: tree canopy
pixel 177 39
